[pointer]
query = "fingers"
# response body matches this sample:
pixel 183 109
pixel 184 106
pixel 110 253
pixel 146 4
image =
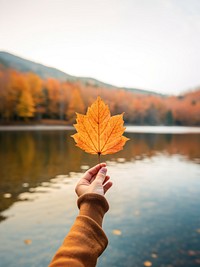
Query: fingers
pixel 93 171
pixel 106 179
pixel 94 177
pixel 107 186
pixel 101 175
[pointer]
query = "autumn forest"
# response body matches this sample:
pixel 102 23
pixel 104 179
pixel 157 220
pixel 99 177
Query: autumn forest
pixel 25 97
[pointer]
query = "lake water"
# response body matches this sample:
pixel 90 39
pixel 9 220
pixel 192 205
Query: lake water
pixel 154 214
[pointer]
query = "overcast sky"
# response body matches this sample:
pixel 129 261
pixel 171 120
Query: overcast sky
pixel 149 44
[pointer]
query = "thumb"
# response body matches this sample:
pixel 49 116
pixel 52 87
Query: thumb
pixel 101 175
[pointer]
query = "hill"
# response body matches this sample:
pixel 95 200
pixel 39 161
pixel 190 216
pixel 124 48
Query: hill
pixel 15 62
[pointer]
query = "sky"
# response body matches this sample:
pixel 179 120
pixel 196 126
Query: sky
pixel 147 44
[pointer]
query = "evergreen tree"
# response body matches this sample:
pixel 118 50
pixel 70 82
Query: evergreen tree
pixel 169 119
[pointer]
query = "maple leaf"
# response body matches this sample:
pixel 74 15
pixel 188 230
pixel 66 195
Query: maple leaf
pixel 98 132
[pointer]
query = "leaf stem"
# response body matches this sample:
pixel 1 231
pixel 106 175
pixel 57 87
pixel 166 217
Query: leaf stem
pixel 99 155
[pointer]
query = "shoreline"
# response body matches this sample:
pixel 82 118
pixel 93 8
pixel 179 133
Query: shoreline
pixel 163 129
pixel 35 127
pixel 129 129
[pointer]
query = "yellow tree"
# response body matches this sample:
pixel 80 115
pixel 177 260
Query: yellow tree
pixel 25 107
pixel 65 96
pixel 10 87
pixel 53 89
pixel 35 84
pixel 76 105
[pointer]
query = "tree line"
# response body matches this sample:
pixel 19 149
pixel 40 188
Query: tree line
pixel 27 97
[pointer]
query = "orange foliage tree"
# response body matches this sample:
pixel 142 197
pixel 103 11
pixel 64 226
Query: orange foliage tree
pixel 36 84
pixel 75 105
pixel 25 107
pixel 25 95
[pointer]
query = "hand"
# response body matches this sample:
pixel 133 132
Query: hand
pixel 94 180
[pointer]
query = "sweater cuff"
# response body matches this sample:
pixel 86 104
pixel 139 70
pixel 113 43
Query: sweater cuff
pixel 94 206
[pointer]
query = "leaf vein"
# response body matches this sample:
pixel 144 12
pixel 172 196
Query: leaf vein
pixel 110 134
pixel 89 137
pixel 86 144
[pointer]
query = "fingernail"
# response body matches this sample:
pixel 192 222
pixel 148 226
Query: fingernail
pixel 103 170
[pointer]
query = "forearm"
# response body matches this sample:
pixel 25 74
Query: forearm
pixel 86 239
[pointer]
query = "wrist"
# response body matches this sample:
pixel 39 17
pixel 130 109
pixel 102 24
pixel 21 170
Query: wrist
pixel 93 205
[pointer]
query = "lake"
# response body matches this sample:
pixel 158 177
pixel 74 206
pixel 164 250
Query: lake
pixel 154 216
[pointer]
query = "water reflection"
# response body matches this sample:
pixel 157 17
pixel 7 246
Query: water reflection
pixel 28 159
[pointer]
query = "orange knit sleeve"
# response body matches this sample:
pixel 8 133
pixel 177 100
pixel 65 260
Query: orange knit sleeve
pixel 86 240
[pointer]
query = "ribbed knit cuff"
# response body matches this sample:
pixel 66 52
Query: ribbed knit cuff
pixel 94 206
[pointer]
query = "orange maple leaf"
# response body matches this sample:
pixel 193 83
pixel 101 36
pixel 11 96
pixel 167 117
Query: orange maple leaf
pixel 98 132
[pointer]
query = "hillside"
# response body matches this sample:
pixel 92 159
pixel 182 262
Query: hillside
pixel 12 61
